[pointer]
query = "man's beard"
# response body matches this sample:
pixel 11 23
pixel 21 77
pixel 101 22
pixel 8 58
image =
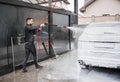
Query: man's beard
pixel 31 24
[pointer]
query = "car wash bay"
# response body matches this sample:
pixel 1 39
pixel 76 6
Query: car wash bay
pixel 13 15
pixel 63 69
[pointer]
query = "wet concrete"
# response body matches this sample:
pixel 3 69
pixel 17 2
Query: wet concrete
pixel 63 69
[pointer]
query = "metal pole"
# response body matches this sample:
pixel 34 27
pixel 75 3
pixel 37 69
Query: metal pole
pixel 76 6
pixel 50 3
pixel 69 35
pixel 76 9
pixel 13 56
pixel 50 23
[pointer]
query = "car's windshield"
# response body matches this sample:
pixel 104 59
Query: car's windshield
pixel 103 28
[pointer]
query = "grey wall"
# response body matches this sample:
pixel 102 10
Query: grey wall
pixel 60 19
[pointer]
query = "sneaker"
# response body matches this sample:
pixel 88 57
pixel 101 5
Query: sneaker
pixel 39 66
pixel 24 70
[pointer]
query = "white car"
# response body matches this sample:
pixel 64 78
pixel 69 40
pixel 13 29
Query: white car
pixel 99 45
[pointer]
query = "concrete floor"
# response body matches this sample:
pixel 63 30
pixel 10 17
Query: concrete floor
pixel 63 69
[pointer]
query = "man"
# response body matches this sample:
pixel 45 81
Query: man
pixel 29 42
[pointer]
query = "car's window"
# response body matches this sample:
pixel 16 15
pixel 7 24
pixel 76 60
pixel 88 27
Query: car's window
pixel 102 30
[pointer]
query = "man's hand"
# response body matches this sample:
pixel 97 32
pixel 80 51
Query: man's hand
pixel 41 26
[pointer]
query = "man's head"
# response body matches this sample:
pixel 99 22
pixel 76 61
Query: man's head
pixel 29 21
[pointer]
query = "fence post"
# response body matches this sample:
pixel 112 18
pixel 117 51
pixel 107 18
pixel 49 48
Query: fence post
pixel 117 17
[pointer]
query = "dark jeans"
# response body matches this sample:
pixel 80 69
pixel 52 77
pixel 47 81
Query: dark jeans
pixel 30 48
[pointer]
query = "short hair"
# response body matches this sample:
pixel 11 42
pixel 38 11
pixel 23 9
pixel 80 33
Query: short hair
pixel 28 19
